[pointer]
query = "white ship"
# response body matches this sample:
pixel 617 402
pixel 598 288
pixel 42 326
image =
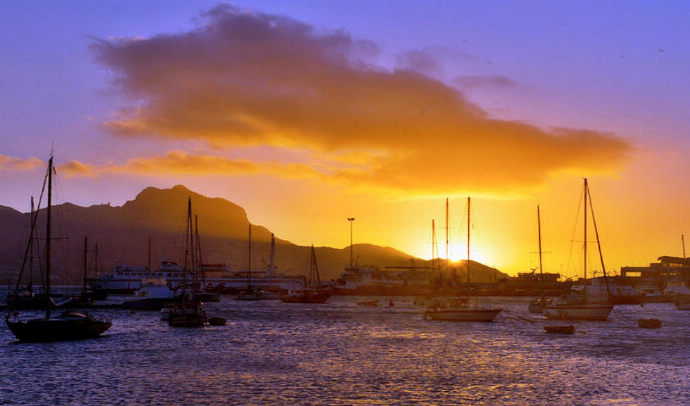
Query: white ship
pixel 215 278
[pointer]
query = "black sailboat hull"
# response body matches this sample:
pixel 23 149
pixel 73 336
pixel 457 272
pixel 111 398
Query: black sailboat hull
pixel 69 326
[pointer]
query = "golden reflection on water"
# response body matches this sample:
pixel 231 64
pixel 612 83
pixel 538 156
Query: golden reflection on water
pixel 341 354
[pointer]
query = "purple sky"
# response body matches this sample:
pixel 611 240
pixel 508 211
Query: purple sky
pixel 373 109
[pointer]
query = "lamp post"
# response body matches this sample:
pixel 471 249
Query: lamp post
pixel 351 219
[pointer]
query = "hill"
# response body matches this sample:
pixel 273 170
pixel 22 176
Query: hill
pixel 155 222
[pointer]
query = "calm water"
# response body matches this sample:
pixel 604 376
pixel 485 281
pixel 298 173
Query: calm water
pixel 271 353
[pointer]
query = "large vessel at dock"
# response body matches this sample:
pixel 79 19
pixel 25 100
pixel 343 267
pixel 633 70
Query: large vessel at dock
pixel 216 278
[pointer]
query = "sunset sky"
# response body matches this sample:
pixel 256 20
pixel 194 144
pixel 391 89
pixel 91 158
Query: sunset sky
pixel 306 113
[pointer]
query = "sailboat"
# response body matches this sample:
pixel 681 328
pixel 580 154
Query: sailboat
pixel 88 295
pixel 27 296
pixel 200 293
pixel 581 305
pixel 460 309
pixel 69 325
pixel 313 291
pixel 188 310
pixel 537 305
pixel 250 293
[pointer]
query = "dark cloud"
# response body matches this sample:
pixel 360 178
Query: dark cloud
pixel 251 79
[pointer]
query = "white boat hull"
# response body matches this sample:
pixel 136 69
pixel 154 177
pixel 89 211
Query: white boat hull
pixel 578 312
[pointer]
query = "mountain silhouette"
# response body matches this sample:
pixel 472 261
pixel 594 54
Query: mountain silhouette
pixel 157 218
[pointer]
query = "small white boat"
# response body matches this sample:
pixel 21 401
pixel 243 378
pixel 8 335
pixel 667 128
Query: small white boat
pixel 152 294
pixel 459 309
pixel 591 300
pixel 583 311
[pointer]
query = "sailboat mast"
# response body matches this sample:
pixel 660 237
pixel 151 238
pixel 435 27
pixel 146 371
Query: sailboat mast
pixel 586 188
pixel 682 241
pixel 249 259
pixel 447 239
pixel 433 244
pixel 199 257
pixel 596 234
pixel 48 221
pixel 192 266
pixel 95 262
pixel 468 243
pixel 86 245
pixel 539 234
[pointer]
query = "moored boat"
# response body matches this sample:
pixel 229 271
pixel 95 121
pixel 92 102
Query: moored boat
pixel 187 313
pixel 313 291
pixel 153 294
pixel 569 329
pixel 537 304
pixel 368 303
pixel 68 325
pixel 459 309
pixel 591 302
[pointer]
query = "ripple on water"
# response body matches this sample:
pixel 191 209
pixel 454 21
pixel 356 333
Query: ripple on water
pixel 343 354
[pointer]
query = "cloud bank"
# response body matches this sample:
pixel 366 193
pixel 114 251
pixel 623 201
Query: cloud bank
pixel 245 79
pixel 12 164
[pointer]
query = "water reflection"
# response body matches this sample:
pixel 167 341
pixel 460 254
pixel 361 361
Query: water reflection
pixel 343 354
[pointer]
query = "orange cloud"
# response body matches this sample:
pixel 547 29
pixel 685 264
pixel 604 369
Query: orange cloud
pixel 74 169
pixel 8 163
pixel 183 163
pixel 251 79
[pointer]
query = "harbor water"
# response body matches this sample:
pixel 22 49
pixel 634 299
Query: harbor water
pixel 273 353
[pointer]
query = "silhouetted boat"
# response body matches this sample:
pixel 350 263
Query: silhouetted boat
pixel 368 303
pixel 217 321
pixel 187 313
pixel 580 305
pixel 153 294
pixel 27 297
pixel 67 326
pixel 537 304
pixel 250 293
pixel 570 329
pixel 460 309
pixel 88 296
pixel 313 291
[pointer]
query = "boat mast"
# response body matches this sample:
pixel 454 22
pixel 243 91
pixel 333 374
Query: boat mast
pixel 86 245
pixel 596 234
pixel 585 243
pixel 468 244
pixel 271 270
pixel 199 259
pixel 48 229
pixel 95 262
pixel 447 241
pixel 314 270
pixel 682 241
pixel 249 260
pixel 539 234
pixel 192 266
